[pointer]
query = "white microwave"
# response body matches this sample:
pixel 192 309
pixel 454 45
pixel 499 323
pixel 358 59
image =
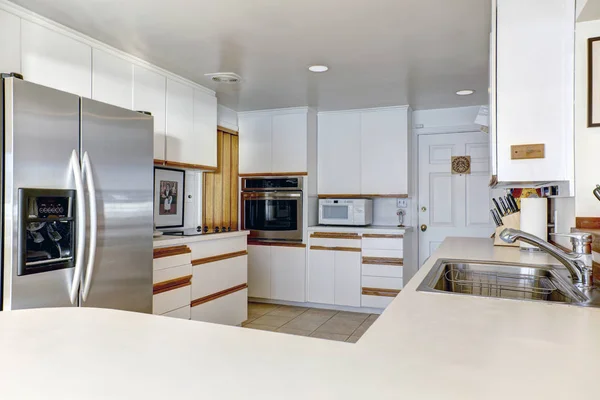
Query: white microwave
pixel 355 212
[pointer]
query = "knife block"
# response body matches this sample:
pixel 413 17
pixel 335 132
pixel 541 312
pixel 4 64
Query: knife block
pixel 509 221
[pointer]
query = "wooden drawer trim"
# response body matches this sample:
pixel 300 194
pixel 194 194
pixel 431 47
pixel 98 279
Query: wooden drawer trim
pixel 275 244
pixel 171 251
pixel 383 261
pixel 220 257
pixel 217 295
pixel 189 166
pixel 335 235
pixel 352 249
pixel 261 174
pixel 382 236
pixel 159 162
pixel 380 292
pixel 362 196
pixel 172 284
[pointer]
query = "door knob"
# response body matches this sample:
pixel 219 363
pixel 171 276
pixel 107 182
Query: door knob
pixel 423 209
pixel 423 228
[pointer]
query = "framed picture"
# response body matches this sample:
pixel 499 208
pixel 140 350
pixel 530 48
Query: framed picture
pixel 169 191
pixel 594 82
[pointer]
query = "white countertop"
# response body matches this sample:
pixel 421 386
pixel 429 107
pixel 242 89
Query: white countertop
pixel 360 229
pixel 169 240
pixel 424 346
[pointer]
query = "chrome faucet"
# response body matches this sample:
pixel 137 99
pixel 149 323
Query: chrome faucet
pixel 578 263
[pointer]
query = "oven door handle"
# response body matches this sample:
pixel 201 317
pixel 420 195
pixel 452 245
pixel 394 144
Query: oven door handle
pixel 271 196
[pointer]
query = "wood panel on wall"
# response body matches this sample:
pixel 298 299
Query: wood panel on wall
pixel 220 188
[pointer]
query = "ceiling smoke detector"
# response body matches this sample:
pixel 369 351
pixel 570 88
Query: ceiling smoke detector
pixel 224 77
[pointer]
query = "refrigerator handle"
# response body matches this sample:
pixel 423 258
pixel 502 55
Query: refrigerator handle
pixel 89 179
pixel 80 226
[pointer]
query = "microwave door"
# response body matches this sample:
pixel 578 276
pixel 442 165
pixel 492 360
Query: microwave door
pixel 336 214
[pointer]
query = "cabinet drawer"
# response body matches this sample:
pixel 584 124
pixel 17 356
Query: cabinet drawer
pixel 168 274
pixel 167 257
pixel 182 313
pixel 381 282
pixel 375 301
pixel 391 242
pixel 374 253
pixel 171 300
pixel 332 239
pixel 219 275
pixel 231 309
pixel 392 271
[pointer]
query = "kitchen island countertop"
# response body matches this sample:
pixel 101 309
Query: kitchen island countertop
pixel 424 346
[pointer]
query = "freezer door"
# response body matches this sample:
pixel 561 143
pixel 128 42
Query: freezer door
pixel 41 130
pixel 119 148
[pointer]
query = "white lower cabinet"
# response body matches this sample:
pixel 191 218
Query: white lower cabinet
pixel 347 278
pixel 259 271
pixel 181 313
pixel 288 273
pixel 227 310
pixel 321 279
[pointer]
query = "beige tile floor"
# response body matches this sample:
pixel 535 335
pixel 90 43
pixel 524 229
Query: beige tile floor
pixel 319 323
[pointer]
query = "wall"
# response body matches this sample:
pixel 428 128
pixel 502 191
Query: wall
pixel 445 120
pixel 227 118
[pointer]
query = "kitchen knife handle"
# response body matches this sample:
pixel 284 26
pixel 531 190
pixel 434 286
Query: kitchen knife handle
pixel 504 208
pixel 498 209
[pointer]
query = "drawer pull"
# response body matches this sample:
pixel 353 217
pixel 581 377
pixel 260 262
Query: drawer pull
pixel 220 257
pixel 171 251
pixel 352 249
pixel 380 292
pixel 171 284
pixel 382 236
pixel 383 261
pixel 217 295
pixel 335 235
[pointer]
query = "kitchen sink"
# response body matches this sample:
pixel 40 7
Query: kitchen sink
pixel 507 281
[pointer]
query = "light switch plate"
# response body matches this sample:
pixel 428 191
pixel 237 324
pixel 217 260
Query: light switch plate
pixel 402 203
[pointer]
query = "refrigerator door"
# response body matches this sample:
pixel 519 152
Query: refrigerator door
pixel 40 133
pixel 118 145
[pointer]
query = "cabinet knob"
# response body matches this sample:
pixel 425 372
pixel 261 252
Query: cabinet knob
pixel 423 228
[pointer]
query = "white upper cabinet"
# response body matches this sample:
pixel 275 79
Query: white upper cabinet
pixel 52 59
pixel 384 152
pixel 180 123
pixel 289 143
pixel 204 138
pixel 149 94
pixel 533 88
pixel 339 155
pixel 112 79
pixel 10 42
pixel 255 143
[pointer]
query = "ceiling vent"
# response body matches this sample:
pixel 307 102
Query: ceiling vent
pixel 224 77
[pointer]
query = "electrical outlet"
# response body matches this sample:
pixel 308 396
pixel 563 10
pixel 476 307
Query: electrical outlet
pixel 402 203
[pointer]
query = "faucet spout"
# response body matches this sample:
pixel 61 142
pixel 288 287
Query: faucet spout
pixel 580 273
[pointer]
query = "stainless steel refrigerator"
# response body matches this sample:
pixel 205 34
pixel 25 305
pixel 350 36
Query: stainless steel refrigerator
pixel 77 191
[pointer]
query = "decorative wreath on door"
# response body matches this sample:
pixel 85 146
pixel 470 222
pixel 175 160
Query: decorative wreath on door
pixel 461 165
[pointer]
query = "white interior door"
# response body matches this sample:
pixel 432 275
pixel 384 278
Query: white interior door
pixel 452 204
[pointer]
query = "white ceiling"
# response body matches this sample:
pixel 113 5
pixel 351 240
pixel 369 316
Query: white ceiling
pixel 381 52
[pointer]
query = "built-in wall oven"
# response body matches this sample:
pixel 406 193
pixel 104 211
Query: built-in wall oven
pixel 272 208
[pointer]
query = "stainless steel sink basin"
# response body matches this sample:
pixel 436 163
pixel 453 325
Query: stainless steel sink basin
pixel 514 281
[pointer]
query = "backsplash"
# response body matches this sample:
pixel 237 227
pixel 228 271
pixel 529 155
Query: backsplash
pixel 384 212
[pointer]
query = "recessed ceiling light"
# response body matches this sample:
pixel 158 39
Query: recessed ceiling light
pixel 224 77
pixel 466 92
pixel 318 68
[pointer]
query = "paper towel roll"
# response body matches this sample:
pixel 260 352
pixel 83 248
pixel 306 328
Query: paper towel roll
pixel 534 219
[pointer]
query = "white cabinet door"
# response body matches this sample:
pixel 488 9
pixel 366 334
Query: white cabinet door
pixel 112 79
pixel 321 276
pixel 259 271
pixel 289 143
pixel 255 143
pixel 347 278
pixel 10 42
pixel 339 153
pixel 55 60
pixel 203 142
pixel 288 273
pixel 384 152
pixel 534 90
pixel 180 123
pixel 149 94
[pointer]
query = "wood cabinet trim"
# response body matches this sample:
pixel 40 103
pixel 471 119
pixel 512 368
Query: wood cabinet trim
pixel 227 130
pixel 162 252
pixel 335 235
pixel 159 162
pixel 189 166
pixel 350 249
pixel 217 295
pixel 220 257
pixel 587 223
pixel 382 236
pixel 383 261
pixel 171 284
pixel 261 174
pixel 362 196
pixel 275 244
pixel 380 292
